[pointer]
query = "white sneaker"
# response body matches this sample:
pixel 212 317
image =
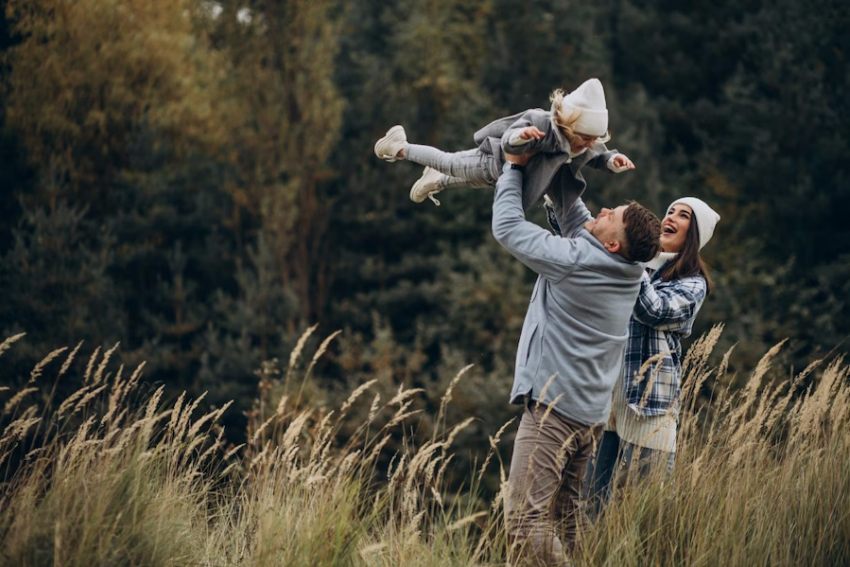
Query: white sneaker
pixel 387 148
pixel 427 186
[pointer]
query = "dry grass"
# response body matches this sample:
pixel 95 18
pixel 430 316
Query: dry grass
pixel 762 477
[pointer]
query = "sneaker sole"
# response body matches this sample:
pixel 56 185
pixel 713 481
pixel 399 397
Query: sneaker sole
pixel 418 194
pixel 394 134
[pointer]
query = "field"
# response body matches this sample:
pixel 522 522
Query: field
pixel 112 475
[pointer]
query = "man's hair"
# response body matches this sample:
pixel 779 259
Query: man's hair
pixel 643 233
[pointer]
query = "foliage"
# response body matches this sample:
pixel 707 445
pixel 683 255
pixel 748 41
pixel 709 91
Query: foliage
pixel 195 179
pixel 86 74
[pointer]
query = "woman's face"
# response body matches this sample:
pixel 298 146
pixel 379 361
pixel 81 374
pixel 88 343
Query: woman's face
pixel 674 227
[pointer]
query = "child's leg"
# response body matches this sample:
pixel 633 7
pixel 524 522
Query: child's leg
pixel 473 166
pixel 431 183
pixel 449 182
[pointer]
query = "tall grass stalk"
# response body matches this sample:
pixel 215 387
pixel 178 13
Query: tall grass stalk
pixel 762 477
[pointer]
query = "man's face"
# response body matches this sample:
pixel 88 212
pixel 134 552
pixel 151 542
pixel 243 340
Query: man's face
pixel 608 228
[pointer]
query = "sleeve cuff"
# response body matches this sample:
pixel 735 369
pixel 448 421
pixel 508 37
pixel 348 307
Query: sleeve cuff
pixel 517 141
pixel 614 168
pixel 507 168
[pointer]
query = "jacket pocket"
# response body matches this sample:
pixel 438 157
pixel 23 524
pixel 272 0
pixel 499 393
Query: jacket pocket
pixel 526 341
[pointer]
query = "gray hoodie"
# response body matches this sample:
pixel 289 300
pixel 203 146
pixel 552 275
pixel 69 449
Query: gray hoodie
pixel 552 154
pixel 576 324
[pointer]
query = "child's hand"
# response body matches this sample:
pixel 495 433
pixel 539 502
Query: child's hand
pixel 622 161
pixel 531 133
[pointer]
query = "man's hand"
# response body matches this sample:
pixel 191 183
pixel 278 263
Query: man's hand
pixel 531 133
pixel 520 159
pixel 622 161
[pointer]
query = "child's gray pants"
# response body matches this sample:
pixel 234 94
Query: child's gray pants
pixel 469 168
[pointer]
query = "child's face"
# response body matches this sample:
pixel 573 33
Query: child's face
pixel 581 142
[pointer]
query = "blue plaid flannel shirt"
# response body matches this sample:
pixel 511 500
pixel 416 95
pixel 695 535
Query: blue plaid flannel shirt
pixel 663 315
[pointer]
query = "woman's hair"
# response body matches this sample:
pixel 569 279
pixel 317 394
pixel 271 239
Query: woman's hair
pixel 688 262
pixel 565 121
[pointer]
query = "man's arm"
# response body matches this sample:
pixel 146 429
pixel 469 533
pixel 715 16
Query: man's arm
pixel 548 255
pixel 568 221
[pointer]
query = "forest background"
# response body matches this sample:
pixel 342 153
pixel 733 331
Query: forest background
pixel 196 181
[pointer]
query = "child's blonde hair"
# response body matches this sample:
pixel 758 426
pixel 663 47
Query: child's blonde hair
pixel 565 121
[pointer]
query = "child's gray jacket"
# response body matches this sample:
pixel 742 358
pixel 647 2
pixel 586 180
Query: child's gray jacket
pixel 552 154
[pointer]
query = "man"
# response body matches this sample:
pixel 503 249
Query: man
pixel 569 354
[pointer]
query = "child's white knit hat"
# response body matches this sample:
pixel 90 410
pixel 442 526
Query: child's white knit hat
pixel 588 101
pixel 705 215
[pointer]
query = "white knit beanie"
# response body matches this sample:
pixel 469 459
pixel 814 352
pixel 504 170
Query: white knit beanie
pixel 705 215
pixel 588 100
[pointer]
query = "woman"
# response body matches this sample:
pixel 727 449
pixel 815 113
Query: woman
pixel 641 433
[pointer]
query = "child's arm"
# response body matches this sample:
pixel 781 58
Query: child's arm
pixel 611 161
pixel 523 136
pixel 531 133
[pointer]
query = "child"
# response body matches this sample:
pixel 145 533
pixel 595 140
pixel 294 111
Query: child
pixel 573 133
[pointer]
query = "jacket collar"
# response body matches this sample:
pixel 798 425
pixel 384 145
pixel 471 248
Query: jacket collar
pixel 616 257
pixel 563 143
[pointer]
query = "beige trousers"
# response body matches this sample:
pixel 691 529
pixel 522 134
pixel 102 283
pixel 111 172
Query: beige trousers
pixel 542 509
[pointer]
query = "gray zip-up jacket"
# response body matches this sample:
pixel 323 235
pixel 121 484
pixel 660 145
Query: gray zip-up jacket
pixel 576 324
pixel 552 153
